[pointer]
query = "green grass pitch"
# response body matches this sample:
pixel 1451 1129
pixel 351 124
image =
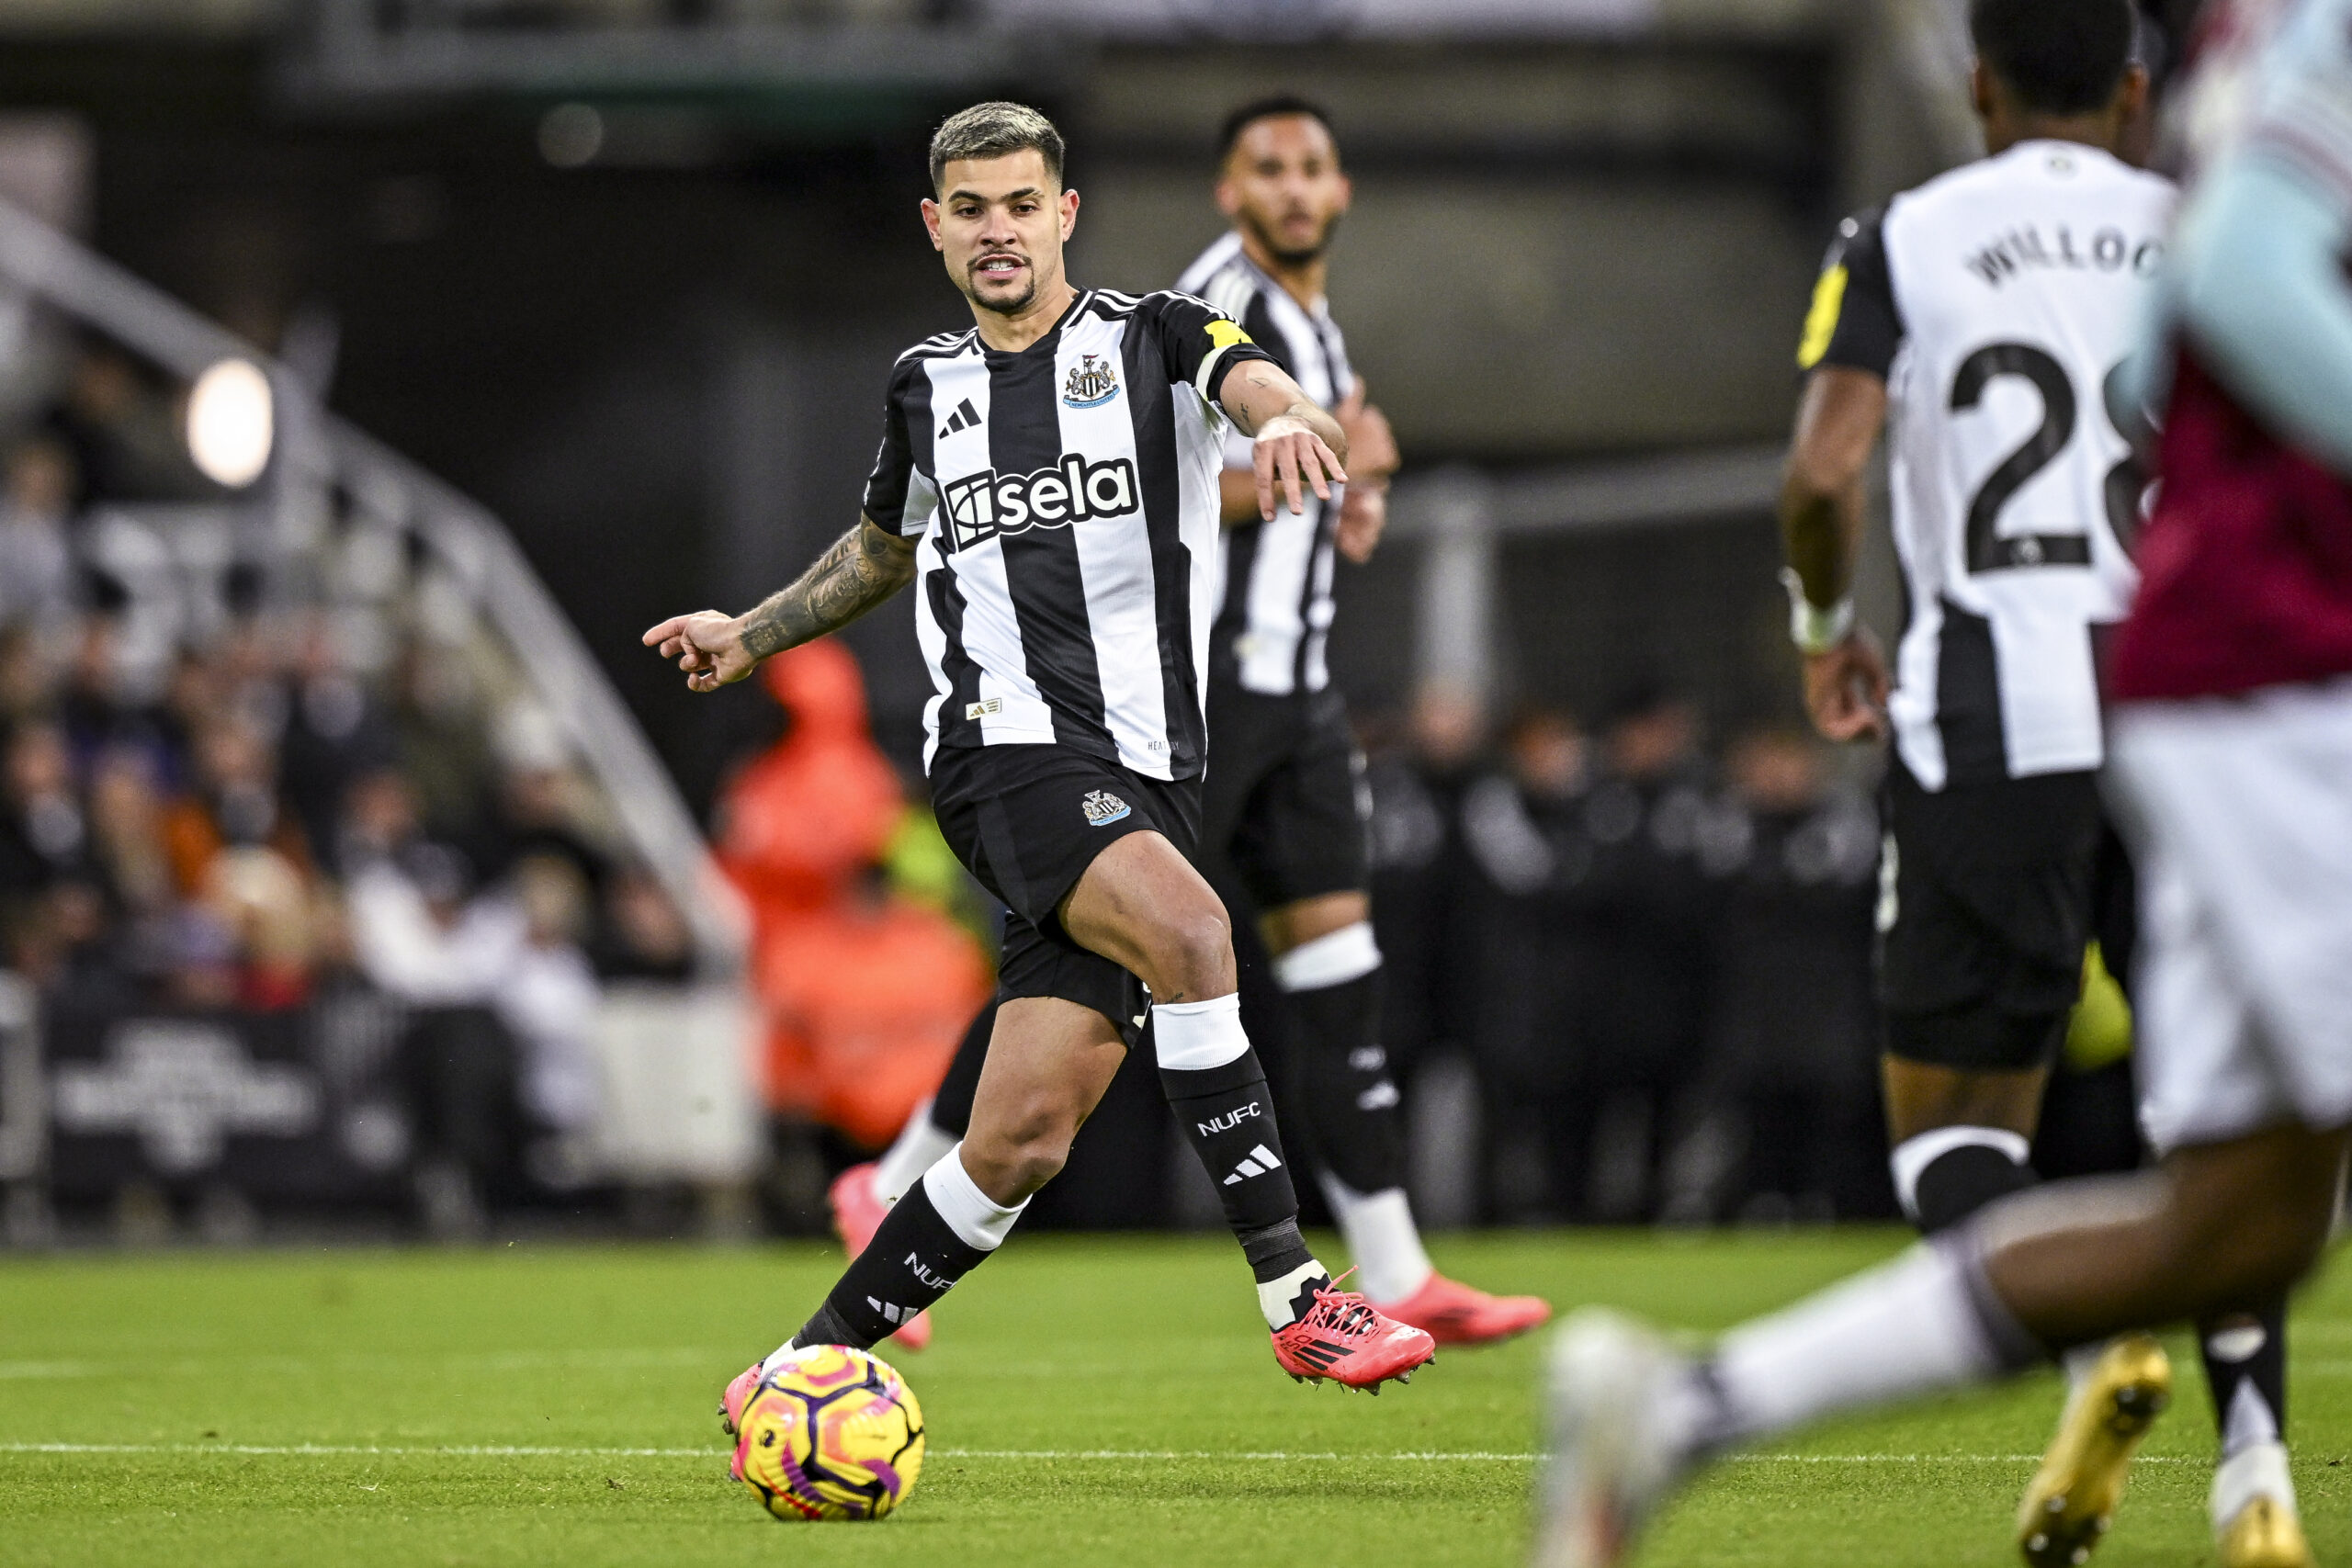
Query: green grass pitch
pixel 1089 1400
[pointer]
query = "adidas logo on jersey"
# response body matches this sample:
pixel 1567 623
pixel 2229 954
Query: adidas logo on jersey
pixel 1103 808
pixel 964 418
pixel 1257 1162
pixel 983 505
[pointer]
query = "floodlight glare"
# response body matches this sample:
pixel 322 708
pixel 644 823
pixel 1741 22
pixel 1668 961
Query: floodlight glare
pixel 231 422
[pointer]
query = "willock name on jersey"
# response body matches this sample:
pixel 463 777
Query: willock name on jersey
pixel 1275 619
pixel 1997 301
pixel 1066 500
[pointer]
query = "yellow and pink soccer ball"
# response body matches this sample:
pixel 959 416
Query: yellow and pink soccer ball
pixel 832 1434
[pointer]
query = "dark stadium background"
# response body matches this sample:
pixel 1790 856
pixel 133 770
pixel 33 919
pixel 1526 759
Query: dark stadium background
pixel 1583 248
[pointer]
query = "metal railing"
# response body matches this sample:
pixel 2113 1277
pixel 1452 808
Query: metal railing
pixel 317 451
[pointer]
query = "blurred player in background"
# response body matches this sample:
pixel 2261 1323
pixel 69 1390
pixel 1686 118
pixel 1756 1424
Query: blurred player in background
pixel 1050 476
pixel 1282 816
pixel 1993 310
pixel 2230 767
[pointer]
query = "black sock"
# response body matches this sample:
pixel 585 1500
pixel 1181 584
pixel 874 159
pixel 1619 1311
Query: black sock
pixel 911 1263
pixel 951 1105
pixel 1229 1119
pixel 1958 1182
pixel 1349 1101
pixel 2246 1368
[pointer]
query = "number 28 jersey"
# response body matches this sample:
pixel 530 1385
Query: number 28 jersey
pixel 1997 301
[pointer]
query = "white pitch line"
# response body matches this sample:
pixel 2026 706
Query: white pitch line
pixel 1475 1455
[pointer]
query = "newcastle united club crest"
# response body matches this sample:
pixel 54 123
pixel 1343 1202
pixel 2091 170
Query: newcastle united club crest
pixel 1091 383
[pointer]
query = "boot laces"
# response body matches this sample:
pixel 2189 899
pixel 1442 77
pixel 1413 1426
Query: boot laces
pixel 1341 1312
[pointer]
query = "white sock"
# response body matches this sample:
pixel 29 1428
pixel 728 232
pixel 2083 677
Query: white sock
pixel 1905 1327
pixel 1333 959
pixel 1382 1237
pixel 2259 1470
pixel 777 1357
pixel 1276 1297
pixel 918 1148
pixel 977 1219
pixel 1193 1035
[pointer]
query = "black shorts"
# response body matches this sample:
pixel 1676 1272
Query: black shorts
pixel 1283 805
pixel 1028 820
pixel 1996 889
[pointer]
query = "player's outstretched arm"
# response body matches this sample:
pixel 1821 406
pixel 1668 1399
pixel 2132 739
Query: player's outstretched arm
pixel 864 566
pixel 1821 515
pixel 1298 445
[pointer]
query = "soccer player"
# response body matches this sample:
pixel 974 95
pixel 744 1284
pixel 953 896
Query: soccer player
pixel 1282 813
pixel 2231 763
pixel 1990 309
pixel 1050 477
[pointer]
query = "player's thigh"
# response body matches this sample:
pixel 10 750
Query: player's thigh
pixel 1145 907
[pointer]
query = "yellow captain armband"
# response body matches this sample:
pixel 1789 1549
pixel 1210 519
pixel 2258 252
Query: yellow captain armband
pixel 1225 334
pixel 1821 321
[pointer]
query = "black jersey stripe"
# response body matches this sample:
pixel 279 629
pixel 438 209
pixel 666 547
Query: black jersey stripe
pixel 1041 568
pixel 1151 409
pixel 1968 699
pixel 954 725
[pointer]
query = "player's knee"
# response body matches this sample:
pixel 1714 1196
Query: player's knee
pixel 1196 953
pixel 1027 1148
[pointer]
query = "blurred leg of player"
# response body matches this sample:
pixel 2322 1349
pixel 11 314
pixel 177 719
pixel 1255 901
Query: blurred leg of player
pixel 2247 1082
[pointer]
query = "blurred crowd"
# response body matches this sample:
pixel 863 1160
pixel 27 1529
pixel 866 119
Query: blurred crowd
pixel 222 794
pixel 1656 961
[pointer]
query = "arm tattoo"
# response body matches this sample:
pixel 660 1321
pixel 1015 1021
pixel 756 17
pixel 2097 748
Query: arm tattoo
pixel 865 567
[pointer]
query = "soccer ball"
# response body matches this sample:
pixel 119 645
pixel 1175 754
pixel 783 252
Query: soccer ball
pixel 832 1434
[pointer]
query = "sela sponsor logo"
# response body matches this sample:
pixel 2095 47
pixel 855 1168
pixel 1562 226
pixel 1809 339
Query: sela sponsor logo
pixel 930 1279
pixel 1257 1162
pixel 1103 808
pixel 1091 383
pixel 981 506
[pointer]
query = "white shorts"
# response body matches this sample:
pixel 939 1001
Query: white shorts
pixel 2240 814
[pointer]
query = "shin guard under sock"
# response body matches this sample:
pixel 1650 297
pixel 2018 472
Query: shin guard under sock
pixel 1229 1118
pixel 2245 1367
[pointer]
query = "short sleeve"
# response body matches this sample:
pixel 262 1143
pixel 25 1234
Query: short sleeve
pixel 1854 321
pixel 894 466
pixel 1199 342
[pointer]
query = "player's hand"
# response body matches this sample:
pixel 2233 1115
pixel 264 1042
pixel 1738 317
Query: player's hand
pixel 1845 689
pixel 1289 455
pixel 708 645
pixel 1364 515
pixel 1372 445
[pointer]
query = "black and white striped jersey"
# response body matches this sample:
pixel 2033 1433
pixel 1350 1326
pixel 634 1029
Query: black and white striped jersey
pixel 1066 499
pixel 1275 615
pixel 1998 301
